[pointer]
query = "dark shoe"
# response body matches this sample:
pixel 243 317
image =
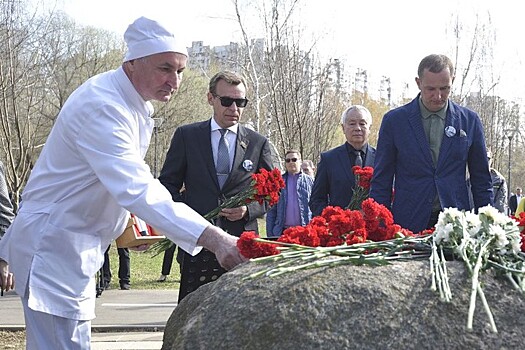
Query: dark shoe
pixel 125 286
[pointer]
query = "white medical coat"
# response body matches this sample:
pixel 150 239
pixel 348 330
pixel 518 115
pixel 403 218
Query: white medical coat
pixel 90 173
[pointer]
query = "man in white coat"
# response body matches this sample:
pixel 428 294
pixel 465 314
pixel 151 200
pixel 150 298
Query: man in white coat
pixel 90 173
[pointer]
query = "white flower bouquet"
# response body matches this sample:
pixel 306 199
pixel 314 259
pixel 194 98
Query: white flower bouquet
pixel 489 239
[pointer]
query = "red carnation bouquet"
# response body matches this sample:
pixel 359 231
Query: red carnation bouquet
pixel 335 227
pixel 363 176
pixel 266 185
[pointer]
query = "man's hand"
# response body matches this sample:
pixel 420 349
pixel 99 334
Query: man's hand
pixel 234 214
pixel 7 280
pixel 223 245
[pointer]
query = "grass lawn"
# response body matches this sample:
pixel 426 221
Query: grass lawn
pixel 145 270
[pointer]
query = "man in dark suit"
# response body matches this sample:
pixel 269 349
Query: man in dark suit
pixel 515 200
pixel 334 181
pixel 427 145
pixel 196 160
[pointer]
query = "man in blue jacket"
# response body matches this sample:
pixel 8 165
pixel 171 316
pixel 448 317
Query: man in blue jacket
pixel 292 208
pixel 427 146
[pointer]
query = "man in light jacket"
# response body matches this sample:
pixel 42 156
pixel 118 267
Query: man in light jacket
pixel 292 208
pixel 90 173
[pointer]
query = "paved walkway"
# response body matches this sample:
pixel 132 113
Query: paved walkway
pixel 126 319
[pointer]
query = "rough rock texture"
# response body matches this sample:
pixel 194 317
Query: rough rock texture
pixel 345 307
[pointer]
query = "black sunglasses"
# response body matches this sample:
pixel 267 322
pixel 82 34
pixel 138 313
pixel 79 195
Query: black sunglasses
pixel 227 101
pixel 288 160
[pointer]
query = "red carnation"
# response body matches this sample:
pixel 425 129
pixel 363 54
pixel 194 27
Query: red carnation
pixel 250 248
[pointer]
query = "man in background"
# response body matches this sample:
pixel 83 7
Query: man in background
pixel 292 208
pixel 124 269
pixel 499 187
pixel 514 200
pixel 214 160
pixel 426 146
pixel 308 167
pixel 334 182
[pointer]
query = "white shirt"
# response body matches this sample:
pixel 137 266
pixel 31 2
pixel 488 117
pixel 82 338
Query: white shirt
pixel 90 172
pixel 230 138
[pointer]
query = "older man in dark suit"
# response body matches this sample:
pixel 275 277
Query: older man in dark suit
pixel 214 160
pixel 334 181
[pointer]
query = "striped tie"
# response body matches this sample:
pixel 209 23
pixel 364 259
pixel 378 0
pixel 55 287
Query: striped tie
pixel 223 160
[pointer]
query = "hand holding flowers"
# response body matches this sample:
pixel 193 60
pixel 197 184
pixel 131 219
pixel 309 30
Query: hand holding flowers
pixel 265 186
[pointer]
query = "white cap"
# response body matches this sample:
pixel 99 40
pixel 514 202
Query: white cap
pixel 146 37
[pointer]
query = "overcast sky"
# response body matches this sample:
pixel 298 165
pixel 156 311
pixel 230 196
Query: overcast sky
pixel 383 36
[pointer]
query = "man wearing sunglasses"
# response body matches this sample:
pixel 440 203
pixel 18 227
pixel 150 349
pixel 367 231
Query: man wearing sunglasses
pixel 214 160
pixel 292 208
pixel 334 181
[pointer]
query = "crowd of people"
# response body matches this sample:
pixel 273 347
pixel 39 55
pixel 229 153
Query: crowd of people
pixel 91 173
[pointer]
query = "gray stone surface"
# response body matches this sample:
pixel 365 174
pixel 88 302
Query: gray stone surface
pixel 345 307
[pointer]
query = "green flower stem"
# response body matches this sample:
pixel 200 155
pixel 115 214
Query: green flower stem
pixel 513 282
pixel 239 199
pixel 440 279
pixel 444 278
pixel 475 284
pixel 322 263
pixel 432 260
pixel 265 271
pixel 495 264
pixel 487 308
pixel 231 202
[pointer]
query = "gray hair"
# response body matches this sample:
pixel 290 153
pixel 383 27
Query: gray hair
pixel 362 109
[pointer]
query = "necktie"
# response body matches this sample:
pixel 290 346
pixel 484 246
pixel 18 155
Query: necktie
pixel 223 160
pixel 358 158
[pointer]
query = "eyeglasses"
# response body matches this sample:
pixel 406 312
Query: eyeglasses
pixel 227 101
pixel 288 160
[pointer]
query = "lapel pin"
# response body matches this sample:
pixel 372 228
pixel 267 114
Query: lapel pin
pixel 450 131
pixel 247 165
pixel 462 133
pixel 244 144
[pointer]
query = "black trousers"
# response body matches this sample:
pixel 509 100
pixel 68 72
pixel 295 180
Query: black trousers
pixel 167 261
pixel 433 219
pixel 197 270
pixel 124 268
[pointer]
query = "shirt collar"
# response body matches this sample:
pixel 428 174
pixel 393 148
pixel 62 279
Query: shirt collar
pixel 145 108
pixel 214 126
pixel 425 113
pixel 351 148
